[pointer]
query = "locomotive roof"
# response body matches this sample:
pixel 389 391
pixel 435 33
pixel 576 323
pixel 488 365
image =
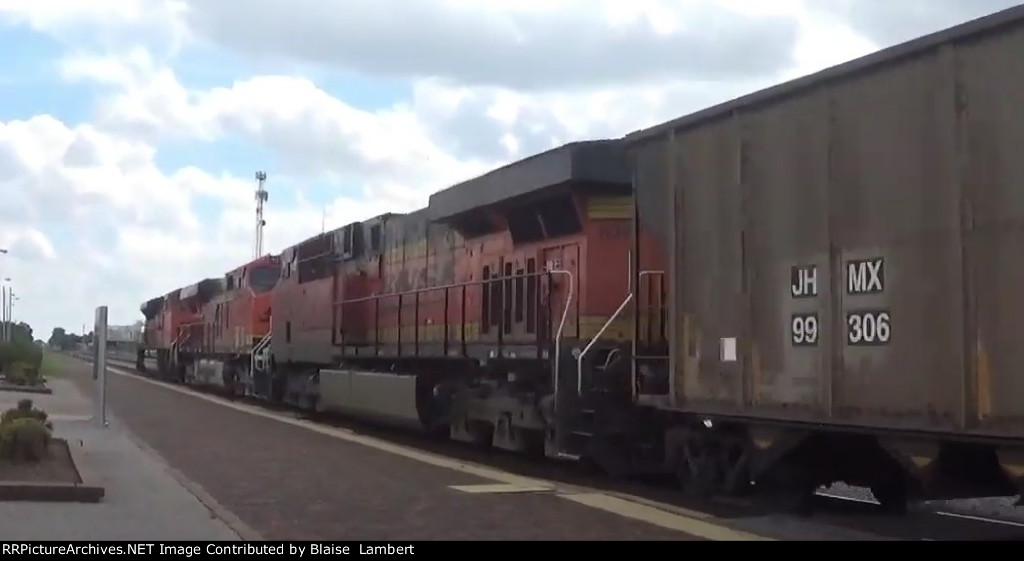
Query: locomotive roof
pixel 201 288
pixel 267 259
pixel 987 24
pixel 593 161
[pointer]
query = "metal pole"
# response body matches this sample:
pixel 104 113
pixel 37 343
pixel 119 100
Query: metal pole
pixel 99 341
pixel 7 301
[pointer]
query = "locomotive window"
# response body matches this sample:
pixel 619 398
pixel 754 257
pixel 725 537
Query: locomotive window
pixel 262 279
pixel 485 302
pixel 531 295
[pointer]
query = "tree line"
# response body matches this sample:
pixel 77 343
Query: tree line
pixel 61 339
pixel 22 348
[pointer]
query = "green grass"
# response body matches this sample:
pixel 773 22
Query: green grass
pixel 52 365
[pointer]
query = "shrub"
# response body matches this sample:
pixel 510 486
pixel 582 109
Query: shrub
pixel 24 439
pixel 20 374
pixel 21 356
pixel 24 410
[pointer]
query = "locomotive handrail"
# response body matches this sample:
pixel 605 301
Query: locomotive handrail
pixel 636 333
pixel 383 296
pixel 561 327
pixel 467 284
pixel 583 354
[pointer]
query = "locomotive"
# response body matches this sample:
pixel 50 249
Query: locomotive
pixel 493 316
pixel 813 283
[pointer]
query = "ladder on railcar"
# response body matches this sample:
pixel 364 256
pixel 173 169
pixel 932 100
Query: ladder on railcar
pixel 259 364
pixel 174 357
pixel 598 399
pixel 260 358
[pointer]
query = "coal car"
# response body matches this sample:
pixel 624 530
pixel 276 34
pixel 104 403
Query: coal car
pixel 846 273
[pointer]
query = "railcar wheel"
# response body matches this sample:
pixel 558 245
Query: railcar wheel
pixel 698 470
pixel 892 496
pixel 792 489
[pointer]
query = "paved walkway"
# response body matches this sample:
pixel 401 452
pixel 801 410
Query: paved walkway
pixel 143 500
pixel 288 481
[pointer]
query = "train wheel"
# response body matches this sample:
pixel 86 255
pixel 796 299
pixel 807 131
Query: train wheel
pixel 481 434
pixel 698 469
pixel 892 496
pixel 794 490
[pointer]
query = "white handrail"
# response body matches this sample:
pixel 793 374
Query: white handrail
pixel 561 325
pixel 579 359
pixel 260 345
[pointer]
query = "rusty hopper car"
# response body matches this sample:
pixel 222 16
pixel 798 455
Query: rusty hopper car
pixel 846 272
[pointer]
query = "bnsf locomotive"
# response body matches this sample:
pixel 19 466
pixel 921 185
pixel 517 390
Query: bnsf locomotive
pixel 451 318
pixel 818 282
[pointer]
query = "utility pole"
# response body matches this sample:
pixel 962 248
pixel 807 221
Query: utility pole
pixel 261 197
pixel 4 328
pixel 7 299
pixel 10 313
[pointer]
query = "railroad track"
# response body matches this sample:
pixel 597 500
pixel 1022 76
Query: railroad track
pixel 838 506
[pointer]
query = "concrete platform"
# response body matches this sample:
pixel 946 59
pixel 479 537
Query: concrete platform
pixel 287 479
pixel 143 500
pixel 64 403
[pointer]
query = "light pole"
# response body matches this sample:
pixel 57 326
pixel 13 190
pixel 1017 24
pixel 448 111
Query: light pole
pixel 11 299
pixel 4 328
pixel 7 297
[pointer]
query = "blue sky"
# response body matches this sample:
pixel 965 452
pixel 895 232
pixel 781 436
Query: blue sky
pixel 136 177
pixel 29 81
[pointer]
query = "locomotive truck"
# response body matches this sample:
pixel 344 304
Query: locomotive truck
pixel 817 282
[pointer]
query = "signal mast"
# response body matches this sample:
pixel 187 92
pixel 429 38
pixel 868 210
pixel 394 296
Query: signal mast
pixel 261 197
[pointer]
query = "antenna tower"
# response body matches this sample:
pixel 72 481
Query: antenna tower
pixel 261 197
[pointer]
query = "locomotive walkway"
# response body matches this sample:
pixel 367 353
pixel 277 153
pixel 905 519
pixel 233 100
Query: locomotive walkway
pixel 142 500
pixel 278 480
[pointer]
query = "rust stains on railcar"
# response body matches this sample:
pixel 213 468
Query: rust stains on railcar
pixel 889 182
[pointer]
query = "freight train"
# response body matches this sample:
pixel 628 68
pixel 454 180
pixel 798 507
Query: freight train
pixel 817 282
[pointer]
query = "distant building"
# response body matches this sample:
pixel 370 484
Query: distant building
pixel 124 334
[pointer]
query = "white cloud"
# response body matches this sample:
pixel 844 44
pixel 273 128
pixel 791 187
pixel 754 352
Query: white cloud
pixel 108 23
pixel 90 218
pixel 555 44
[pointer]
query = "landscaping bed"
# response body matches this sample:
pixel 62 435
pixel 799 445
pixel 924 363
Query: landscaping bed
pixel 34 466
pixel 21 368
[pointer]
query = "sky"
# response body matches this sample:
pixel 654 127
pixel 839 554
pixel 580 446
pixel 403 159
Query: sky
pixel 130 130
